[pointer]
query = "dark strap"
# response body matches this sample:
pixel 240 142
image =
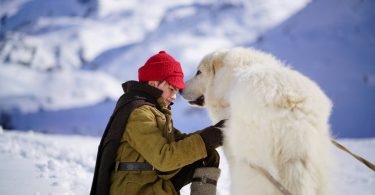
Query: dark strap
pixel 135 166
pixel 364 161
pixel 271 179
pixel 204 180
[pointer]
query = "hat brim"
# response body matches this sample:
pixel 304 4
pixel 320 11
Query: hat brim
pixel 176 82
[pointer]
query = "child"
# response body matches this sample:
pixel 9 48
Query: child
pixel 142 153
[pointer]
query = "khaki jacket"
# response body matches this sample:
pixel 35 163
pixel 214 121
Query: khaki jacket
pixel 150 137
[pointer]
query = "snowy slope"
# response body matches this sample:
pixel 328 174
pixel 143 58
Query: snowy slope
pixel 54 164
pixel 61 61
pixel 190 31
pixel 51 48
pixel 47 43
pixel 31 91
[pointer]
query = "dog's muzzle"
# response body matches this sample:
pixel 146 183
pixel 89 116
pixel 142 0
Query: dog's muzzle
pixel 198 102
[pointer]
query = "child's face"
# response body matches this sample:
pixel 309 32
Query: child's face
pixel 169 92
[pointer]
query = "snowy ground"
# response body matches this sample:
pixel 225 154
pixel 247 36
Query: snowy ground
pixel 37 164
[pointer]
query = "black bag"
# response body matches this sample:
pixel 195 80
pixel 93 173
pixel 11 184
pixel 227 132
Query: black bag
pixel 105 160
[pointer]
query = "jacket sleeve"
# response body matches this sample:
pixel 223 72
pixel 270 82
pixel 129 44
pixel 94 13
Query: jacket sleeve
pixel 146 138
pixel 178 135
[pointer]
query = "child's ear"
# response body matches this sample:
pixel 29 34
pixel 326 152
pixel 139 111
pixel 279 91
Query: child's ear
pixel 153 83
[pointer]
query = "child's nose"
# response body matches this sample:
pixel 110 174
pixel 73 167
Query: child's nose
pixel 174 96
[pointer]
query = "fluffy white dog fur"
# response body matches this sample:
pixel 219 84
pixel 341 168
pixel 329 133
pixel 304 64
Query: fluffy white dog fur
pixel 278 120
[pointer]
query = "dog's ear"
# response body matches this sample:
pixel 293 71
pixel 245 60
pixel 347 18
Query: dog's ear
pixel 217 60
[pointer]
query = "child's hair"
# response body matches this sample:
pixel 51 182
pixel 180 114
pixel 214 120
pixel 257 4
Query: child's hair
pixel 146 82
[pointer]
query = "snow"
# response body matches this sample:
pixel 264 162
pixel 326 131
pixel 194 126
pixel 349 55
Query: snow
pixel 54 91
pixel 45 164
pixel 54 164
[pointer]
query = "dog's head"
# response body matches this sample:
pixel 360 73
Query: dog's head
pixel 209 85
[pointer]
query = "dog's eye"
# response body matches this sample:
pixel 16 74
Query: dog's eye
pixel 198 73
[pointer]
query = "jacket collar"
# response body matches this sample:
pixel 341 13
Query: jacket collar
pixel 144 90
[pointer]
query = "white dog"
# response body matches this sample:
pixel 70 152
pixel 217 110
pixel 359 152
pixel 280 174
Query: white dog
pixel 278 120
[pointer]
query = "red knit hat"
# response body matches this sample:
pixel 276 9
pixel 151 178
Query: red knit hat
pixel 162 67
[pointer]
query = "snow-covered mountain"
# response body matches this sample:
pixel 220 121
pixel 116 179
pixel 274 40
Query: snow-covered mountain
pixel 62 63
